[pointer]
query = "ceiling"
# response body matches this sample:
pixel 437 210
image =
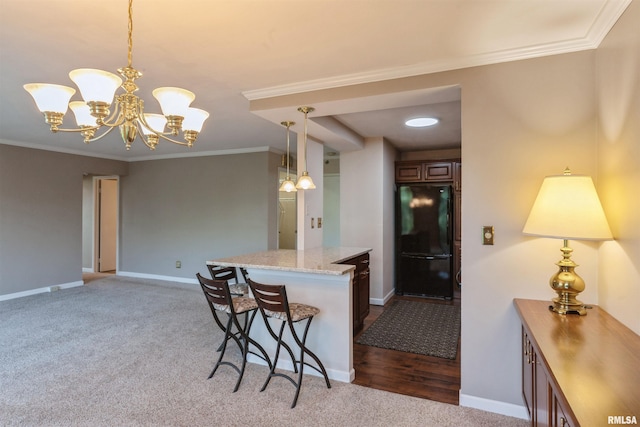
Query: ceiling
pixel 230 52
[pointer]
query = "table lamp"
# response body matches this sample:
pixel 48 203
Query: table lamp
pixel 567 207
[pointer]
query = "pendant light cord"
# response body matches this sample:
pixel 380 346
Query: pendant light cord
pixel 305 138
pixel 288 125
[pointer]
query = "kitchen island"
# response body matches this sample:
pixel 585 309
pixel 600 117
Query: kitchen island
pixel 321 277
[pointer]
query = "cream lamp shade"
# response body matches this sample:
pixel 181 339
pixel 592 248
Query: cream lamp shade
pixel 567 207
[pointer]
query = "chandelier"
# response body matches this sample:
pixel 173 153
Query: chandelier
pixel 98 89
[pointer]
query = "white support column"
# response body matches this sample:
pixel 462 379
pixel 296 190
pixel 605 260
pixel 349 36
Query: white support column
pixel 310 202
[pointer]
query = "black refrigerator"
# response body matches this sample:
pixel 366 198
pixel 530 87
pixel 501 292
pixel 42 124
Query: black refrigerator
pixel 424 260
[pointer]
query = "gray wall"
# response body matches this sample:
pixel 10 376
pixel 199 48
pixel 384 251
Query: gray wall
pixel 190 209
pixel 196 209
pixel 41 216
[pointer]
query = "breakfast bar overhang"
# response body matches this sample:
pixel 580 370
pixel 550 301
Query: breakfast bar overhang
pixel 315 277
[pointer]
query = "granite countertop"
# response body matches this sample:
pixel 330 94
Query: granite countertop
pixel 317 260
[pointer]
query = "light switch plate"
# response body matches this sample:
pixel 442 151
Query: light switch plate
pixel 487 234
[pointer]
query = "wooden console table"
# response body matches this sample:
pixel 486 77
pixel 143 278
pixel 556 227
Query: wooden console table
pixel 578 370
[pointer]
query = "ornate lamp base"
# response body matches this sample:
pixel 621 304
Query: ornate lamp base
pixel 568 285
pixel 575 307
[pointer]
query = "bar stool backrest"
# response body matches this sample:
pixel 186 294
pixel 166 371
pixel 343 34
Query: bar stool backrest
pixel 270 297
pixel 223 273
pixel 216 291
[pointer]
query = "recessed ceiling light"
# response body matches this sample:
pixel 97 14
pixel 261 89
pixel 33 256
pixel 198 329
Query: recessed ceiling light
pixel 420 122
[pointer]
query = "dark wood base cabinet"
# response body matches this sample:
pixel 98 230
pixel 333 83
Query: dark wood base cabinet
pixel 578 370
pixel 360 290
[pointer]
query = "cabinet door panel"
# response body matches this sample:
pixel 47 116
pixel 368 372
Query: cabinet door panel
pixel 527 373
pixel 542 403
pixel 409 172
pixel 363 303
pixel 438 171
pixel 561 420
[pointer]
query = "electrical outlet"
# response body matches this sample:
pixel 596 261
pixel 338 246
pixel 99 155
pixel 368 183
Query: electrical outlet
pixel 54 288
pixel 487 234
pixel 178 264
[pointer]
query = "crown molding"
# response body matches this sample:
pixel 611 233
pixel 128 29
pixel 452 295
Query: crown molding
pixel 606 19
pixel 201 154
pixel 139 158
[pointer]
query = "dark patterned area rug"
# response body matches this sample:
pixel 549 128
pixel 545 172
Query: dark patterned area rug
pixel 416 327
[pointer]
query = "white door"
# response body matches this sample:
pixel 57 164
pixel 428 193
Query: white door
pixel 107 223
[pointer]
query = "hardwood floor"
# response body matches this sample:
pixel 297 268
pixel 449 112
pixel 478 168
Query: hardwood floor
pixel 407 373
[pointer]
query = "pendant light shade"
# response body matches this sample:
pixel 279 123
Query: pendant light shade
pixel 156 122
pixel 304 181
pixel 194 119
pixel 288 185
pixel 82 113
pixel 173 100
pixel 49 97
pixel 96 85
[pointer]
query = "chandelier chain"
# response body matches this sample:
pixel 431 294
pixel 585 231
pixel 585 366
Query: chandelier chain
pixel 130 32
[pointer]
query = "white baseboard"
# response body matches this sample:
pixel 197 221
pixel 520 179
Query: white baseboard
pixel 333 374
pixel 51 288
pixel 193 281
pixel 378 301
pixel 503 408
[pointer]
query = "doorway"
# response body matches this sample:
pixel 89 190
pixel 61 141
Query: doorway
pixel 105 224
pixel 287 214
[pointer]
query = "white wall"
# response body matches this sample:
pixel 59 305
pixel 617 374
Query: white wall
pixel 521 121
pixel 310 202
pixel 366 210
pixel 618 75
pixel 331 209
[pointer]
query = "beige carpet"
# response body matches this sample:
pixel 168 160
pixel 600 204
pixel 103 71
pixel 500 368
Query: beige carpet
pixel 123 352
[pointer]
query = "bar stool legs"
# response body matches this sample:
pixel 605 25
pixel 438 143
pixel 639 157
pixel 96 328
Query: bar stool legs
pixel 273 304
pixel 219 299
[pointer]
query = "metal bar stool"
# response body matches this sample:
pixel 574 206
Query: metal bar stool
pixel 273 304
pixel 219 298
pixel 230 274
pixel 236 287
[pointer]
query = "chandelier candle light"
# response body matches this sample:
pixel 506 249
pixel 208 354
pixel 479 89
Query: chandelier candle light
pixel 98 89
pixel 567 207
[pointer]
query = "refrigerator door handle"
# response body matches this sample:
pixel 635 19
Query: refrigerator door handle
pixel 424 256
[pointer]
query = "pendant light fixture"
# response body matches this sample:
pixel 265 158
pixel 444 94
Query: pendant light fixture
pixel 288 185
pixel 304 181
pixel 98 89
